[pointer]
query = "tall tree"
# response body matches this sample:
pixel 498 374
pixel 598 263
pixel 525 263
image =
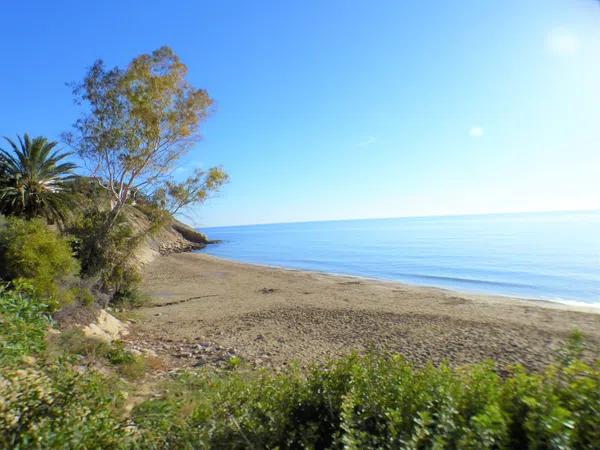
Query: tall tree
pixel 140 121
pixel 33 180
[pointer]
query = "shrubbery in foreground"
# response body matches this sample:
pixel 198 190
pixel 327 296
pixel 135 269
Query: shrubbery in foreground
pixel 356 402
pixel 24 321
pixel 57 408
pixel 379 402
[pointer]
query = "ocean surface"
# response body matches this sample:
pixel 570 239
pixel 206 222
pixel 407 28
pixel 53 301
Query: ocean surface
pixel 550 256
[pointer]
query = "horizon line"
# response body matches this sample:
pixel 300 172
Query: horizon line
pixel 422 216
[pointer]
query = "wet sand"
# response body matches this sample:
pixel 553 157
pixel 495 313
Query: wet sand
pixel 204 309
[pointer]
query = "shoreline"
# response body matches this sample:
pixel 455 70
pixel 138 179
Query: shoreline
pixel 572 305
pixel 273 316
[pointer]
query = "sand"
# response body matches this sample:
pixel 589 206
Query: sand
pixel 204 310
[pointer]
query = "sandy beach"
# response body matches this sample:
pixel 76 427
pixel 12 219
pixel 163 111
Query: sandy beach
pixel 204 309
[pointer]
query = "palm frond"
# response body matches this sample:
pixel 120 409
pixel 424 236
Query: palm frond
pixel 34 178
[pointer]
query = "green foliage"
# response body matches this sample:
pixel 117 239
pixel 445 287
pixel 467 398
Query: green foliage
pixel 32 252
pixel 53 406
pixel 174 196
pixel 141 120
pixel 107 253
pixel 58 408
pixel 24 320
pixel 75 342
pixel 377 402
pixel 117 354
pixel 82 295
pixel 34 179
pixel 356 402
pixel 572 350
pixel 123 280
pixel 134 368
pixel 157 216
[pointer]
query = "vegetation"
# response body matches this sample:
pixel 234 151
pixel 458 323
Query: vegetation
pixel 107 256
pixel 33 253
pixel 33 180
pixel 140 122
pixel 74 342
pixel 357 402
pixel 172 197
pixel 70 391
pixel 379 402
pixel 24 320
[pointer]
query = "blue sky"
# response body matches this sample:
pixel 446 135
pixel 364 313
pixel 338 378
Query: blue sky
pixel 345 109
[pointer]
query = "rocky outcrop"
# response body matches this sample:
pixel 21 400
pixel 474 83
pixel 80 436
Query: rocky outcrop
pixel 106 327
pixel 173 237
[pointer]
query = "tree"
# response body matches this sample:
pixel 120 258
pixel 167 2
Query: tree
pixel 172 197
pixel 34 178
pixel 141 120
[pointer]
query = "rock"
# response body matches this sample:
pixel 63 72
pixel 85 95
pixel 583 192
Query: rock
pixel 106 327
pixel 29 360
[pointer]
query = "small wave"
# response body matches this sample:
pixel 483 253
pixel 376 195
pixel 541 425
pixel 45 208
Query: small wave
pixel 467 280
pixel 575 303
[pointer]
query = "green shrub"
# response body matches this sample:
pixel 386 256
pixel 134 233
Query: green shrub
pixel 31 251
pixel 50 405
pixel 106 253
pixel 378 402
pixel 82 295
pixel 24 320
pixel 117 354
pixel 129 365
pixel 123 281
pixel 58 408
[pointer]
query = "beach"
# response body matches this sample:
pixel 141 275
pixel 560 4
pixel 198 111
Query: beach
pixel 203 309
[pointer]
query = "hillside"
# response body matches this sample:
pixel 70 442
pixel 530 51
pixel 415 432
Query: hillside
pixel 172 237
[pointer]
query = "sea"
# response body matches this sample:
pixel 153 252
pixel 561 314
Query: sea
pixel 547 256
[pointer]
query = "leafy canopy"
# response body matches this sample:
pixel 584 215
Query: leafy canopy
pixel 141 120
pixel 34 179
pixel 173 196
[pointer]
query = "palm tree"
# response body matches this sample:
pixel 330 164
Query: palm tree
pixel 33 180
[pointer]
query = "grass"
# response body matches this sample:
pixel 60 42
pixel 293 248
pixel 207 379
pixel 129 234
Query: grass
pixel 94 351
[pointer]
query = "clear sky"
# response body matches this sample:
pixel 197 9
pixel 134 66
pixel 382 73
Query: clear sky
pixel 345 109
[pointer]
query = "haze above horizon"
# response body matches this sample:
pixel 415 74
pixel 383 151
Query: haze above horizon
pixel 426 216
pixel 338 110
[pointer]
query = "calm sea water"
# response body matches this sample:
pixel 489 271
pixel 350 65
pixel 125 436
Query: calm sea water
pixel 552 256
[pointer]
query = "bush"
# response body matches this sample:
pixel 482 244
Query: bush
pixel 58 408
pixel 31 251
pixel 377 402
pixel 106 253
pixel 24 320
